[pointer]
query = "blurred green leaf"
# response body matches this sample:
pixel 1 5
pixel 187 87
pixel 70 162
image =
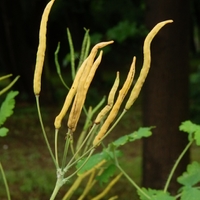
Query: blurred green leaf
pixel 191 176
pixel 190 193
pixel 3 131
pixel 154 195
pixel 191 128
pixel 92 162
pixel 142 132
pixel 107 173
pixel 7 106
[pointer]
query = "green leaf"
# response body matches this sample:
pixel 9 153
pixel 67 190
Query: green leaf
pixel 154 195
pixel 92 162
pixel 107 173
pixel 191 176
pixel 3 131
pixel 190 193
pixel 191 129
pixel 142 132
pixel 197 137
pixel 7 106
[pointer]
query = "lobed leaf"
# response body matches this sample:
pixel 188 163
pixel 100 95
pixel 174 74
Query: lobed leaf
pixel 142 132
pixel 190 193
pixel 107 173
pixel 7 106
pixel 154 195
pixel 191 129
pixel 191 176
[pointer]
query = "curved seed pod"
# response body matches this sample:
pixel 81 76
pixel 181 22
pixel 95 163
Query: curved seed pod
pixel 113 113
pixel 81 94
pixel 109 105
pixel 41 49
pixel 146 63
pixel 94 51
pixel 70 96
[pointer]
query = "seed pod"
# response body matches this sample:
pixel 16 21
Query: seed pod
pixel 146 63
pixel 41 49
pixel 70 96
pixel 113 113
pixel 81 94
pixel 109 105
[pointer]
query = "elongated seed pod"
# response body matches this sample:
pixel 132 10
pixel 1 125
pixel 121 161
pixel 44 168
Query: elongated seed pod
pixel 113 113
pixel 41 49
pixel 94 51
pixel 111 98
pixel 70 96
pixel 146 63
pixel 81 94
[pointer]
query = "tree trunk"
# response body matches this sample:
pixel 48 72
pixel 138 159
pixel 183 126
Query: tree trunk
pixel 166 93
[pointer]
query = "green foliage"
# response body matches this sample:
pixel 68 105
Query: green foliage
pixel 107 174
pixel 123 30
pixel 191 176
pixel 154 195
pixel 6 110
pixel 142 132
pixel 192 129
pixel 92 162
pixel 190 193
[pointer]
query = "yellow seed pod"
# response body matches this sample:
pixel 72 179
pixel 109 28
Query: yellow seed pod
pixel 109 105
pixel 113 90
pixel 41 49
pixel 146 63
pixel 81 94
pixel 70 96
pixel 113 113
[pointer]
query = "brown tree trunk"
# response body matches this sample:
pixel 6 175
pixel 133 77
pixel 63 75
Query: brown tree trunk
pixel 166 93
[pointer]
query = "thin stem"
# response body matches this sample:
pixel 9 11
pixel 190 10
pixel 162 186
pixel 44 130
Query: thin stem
pixel 65 150
pixel 58 66
pixel 5 182
pixel 74 156
pixel 56 146
pixel 10 85
pixel 116 121
pixel 128 177
pixel 44 132
pixel 86 160
pixel 176 164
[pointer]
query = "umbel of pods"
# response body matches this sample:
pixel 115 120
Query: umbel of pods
pixel 84 77
pixel 78 92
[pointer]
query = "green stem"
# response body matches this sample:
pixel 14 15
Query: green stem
pixel 58 66
pixel 176 164
pixel 44 132
pixel 116 121
pixel 128 177
pixel 10 85
pixel 57 187
pixel 56 146
pixel 5 182
pixel 65 150
pixel 78 150
pixel 86 160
